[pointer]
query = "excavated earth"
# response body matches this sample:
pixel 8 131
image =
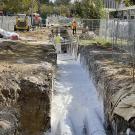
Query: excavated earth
pixel 26 79
pixel 115 86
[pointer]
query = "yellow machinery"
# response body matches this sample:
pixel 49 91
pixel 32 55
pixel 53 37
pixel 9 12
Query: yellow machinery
pixel 22 22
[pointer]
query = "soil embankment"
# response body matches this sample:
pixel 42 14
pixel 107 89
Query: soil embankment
pixel 26 79
pixel 115 86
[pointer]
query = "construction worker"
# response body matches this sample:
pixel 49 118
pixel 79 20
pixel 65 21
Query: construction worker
pixel 74 27
pixel 58 39
pixel 37 20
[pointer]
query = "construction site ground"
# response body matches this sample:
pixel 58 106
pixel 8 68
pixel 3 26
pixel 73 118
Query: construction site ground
pixel 28 62
pixel 25 50
pixel 27 56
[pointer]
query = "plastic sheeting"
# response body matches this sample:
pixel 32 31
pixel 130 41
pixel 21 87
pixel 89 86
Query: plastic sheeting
pixel 8 35
pixel 125 105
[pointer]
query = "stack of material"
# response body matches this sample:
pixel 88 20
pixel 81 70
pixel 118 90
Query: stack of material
pixel 88 35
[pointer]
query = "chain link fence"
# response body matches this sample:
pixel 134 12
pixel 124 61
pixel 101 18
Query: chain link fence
pixel 102 28
pixel 124 36
pixel 34 6
pixel 7 22
pixel 123 43
pixel 120 34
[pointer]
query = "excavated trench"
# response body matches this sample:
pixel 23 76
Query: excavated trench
pixel 115 86
pixel 73 112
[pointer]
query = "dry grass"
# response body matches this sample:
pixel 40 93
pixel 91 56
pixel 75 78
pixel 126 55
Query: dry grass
pixel 37 35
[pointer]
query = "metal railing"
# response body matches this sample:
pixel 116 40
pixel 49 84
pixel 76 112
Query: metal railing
pixel 123 43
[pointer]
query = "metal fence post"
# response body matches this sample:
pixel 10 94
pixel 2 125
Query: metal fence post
pixel 32 6
pixel 134 60
pixel 106 29
pixel 2 22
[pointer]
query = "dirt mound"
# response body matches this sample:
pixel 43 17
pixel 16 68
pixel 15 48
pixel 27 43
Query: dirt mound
pixel 87 36
pixel 37 35
pixel 26 78
pixel 18 52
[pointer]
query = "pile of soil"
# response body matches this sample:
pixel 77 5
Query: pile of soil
pixel 37 35
pixel 87 35
pixel 26 78
pixel 18 52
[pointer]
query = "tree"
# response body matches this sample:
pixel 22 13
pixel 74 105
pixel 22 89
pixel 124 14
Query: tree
pixel 77 9
pixel 127 2
pixel 62 2
pixel 23 5
pixel 16 5
pixel 40 2
pixel 92 9
pixel 47 9
pixel 45 1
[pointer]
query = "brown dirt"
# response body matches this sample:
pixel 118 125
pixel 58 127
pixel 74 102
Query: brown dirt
pixel 26 76
pixel 18 52
pixel 37 35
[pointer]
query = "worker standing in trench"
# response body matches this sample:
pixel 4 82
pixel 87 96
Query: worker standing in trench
pixel 74 27
pixel 57 41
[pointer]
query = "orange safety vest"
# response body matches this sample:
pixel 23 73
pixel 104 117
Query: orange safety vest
pixel 74 25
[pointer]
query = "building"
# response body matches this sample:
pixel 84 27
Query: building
pixel 112 4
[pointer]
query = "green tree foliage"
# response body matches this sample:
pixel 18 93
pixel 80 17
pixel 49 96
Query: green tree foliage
pixel 23 5
pixel 127 2
pixel 47 9
pixel 44 1
pixel 55 9
pixel 92 9
pixel 16 5
pixel 77 9
pixel 59 7
pixel 62 2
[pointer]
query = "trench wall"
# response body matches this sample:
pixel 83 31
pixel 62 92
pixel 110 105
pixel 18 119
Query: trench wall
pixel 110 79
pixel 26 90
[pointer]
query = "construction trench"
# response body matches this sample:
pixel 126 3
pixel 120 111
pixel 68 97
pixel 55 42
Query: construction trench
pixel 79 92
pixel 114 85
